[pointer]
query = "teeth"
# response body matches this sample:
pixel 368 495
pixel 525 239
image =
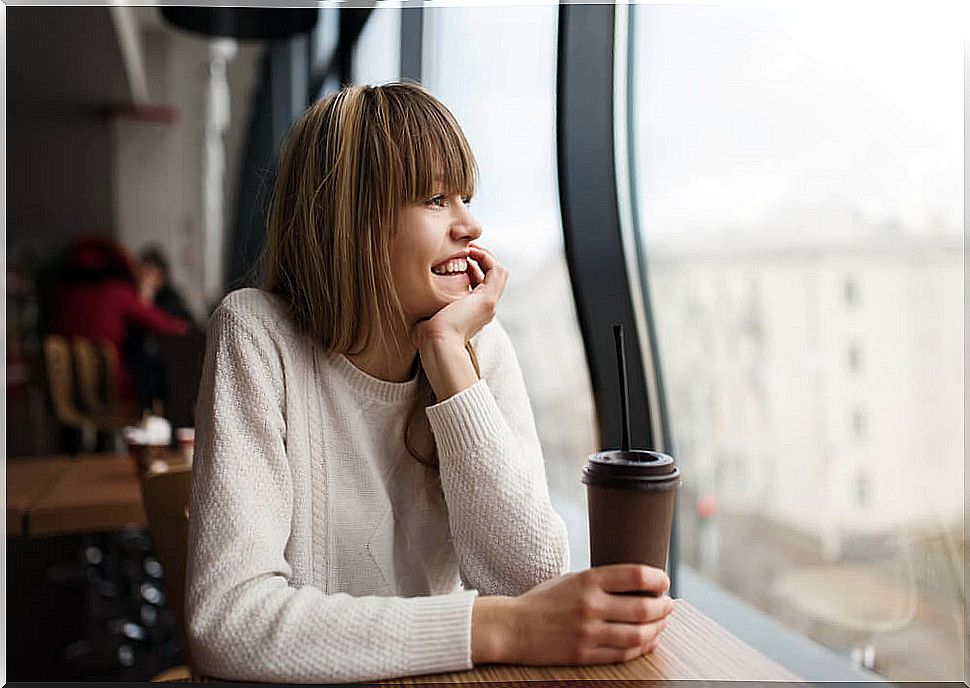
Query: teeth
pixel 454 266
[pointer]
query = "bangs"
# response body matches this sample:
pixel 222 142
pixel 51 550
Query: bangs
pixel 432 151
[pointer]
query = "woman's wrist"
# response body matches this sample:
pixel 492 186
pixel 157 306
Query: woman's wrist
pixel 493 629
pixel 447 364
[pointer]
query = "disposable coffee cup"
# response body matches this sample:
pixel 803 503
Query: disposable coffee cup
pixel 630 496
pixel 147 457
pixel 186 441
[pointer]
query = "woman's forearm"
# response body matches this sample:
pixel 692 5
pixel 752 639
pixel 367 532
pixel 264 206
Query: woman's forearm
pixel 493 628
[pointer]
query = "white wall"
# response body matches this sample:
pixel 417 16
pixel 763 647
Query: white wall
pixel 159 168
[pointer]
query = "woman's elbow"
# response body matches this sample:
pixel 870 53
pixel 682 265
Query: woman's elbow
pixel 206 644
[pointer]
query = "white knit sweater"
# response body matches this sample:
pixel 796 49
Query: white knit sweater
pixel 319 549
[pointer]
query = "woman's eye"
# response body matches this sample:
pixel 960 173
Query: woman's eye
pixel 441 200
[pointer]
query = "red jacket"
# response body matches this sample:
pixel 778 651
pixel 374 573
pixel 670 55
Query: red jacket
pixel 103 311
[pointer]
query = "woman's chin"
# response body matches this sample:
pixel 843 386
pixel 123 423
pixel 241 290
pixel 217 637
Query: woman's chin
pixel 451 288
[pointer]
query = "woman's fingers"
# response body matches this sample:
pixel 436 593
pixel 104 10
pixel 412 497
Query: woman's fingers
pixel 495 274
pixel 475 274
pixel 483 257
pixel 625 636
pixel 610 655
pixel 631 577
pixel 636 610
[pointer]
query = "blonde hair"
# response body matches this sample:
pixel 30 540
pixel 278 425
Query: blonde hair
pixel 351 162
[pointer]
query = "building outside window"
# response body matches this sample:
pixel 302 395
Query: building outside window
pixel 818 159
pixel 850 291
pixel 860 425
pixel 854 358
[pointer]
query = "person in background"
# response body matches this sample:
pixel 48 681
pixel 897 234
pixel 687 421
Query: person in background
pixel 142 349
pixel 96 296
pixel 369 497
pixel 155 284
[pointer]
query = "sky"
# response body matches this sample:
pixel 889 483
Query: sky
pixel 748 114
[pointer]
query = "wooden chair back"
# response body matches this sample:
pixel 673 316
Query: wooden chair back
pixel 90 376
pixel 97 373
pixel 166 498
pixel 111 362
pixel 60 382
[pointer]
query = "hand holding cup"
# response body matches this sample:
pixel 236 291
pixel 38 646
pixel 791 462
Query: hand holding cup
pixel 580 618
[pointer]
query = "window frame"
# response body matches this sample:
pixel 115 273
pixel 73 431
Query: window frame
pixel 598 220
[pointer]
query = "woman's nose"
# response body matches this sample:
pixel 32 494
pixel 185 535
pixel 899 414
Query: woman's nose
pixel 466 227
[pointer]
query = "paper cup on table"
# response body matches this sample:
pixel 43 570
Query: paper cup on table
pixel 186 441
pixel 148 442
pixel 146 456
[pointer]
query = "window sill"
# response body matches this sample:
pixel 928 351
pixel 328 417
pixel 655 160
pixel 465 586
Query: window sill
pixel 795 652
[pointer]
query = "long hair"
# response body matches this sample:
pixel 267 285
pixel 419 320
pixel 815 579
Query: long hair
pixel 351 163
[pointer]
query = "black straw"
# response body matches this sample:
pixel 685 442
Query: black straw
pixel 621 370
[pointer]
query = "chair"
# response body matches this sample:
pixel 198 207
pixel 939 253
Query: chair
pixel 97 371
pixel 60 384
pixel 182 359
pixel 165 496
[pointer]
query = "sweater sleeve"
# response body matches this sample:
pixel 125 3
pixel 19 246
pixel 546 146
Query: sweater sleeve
pixel 246 618
pixel 148 316
pixel 507 535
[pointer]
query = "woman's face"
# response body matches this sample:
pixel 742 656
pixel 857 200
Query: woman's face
pixel 429 254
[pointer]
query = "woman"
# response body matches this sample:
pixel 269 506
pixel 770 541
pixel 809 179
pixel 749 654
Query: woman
pixel 365 443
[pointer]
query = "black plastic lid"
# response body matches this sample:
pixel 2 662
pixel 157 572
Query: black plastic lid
pixel 634 469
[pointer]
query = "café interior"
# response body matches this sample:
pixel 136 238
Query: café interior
pixel 141 144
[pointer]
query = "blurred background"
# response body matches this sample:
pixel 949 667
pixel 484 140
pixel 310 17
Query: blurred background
pixel 790 206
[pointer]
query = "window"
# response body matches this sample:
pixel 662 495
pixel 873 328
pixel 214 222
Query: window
pixel 863 489
pixel 860 428
pixel 854 358
pixel 509 119
pixel 850 293
pixel 377 54
pixel 799 184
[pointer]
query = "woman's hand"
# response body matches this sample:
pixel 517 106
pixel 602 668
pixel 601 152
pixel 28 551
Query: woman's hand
pixel 462 319
pixel 441 338
pixel 575 619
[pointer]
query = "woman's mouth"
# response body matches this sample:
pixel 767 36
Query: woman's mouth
pixel 451 268
pixel 454 273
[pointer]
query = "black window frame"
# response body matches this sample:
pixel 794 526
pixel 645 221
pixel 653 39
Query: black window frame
pixel 606 266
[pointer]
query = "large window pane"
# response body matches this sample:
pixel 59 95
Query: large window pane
pixel 377 54
pixel 495 67
pixel 800 190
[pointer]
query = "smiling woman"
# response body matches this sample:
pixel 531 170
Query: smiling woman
pixel 369 497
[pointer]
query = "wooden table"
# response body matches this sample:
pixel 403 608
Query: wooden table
pixel 692 647
pixel 59 495
pixel 27 481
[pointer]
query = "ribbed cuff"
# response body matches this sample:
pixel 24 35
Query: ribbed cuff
pixel 441 629
pixel 466 421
